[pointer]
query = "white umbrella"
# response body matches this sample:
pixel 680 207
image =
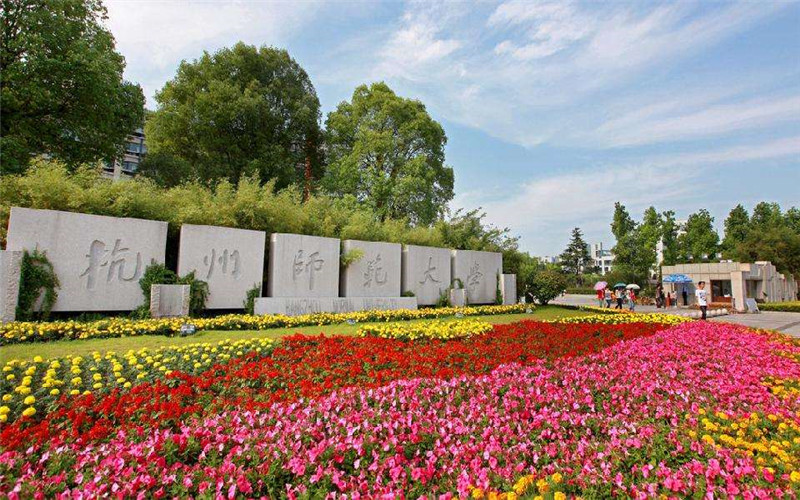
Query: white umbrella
pixel 633 286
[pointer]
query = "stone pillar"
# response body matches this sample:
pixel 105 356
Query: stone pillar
pixel 508 285
pixel 169 301
pixel 739 290
pixel 10 267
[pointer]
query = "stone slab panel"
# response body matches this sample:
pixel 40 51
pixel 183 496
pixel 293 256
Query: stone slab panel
pixel 426 272
pixel 10 268
pixel 169 301
pixel 98 260
pixel 458 297
pixel 296 306
pixel 478 272
pixel 508 285
pixel 230 260
pixel 376 273
pixel 303 266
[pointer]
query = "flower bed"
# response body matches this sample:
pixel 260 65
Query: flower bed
pixel 12 333
pixel 555 409
pixel 442 330
pixel 297 367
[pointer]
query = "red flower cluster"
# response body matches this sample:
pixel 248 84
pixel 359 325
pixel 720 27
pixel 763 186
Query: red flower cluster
pixel 308 367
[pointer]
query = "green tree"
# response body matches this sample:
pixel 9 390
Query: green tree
pixel 239 112
pixel 622 223
pixel 651 227
pixel 669 238
pixel 546 284
pixel 737 226
pixel 62 90
pixel 767 215
pixel 634 255
pixel 165 169
pixel 792 219
pixel 388 152
pixel 700 242
pixel 467 230
pixel 576 259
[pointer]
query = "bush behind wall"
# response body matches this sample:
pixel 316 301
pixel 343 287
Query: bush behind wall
pixel 250 205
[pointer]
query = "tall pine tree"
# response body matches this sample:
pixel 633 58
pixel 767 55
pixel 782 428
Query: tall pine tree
pixel 577 258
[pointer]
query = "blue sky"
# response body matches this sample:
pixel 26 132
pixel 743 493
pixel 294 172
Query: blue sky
pixel 553 110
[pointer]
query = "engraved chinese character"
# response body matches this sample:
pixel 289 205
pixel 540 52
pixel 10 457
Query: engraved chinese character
pixel 474 276
pixel 373 272
pixel 310 266
pixel 428 275
pixel 223 259
pixel 115 263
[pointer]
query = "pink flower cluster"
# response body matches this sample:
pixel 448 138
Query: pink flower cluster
pixel 612 423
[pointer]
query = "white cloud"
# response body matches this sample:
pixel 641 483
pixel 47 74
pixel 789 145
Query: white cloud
pixel 155 35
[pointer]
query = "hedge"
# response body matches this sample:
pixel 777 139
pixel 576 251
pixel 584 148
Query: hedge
pixel 781 306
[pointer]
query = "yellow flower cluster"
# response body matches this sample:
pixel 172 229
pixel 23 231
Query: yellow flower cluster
pixel 783 388
pixel 120 327
pixel 524 487
pixel 773 440
pixel 616 319
pixel 440 330
pixel 26 385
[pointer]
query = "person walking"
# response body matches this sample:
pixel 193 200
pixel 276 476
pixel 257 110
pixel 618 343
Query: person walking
pixel 659 296
pixel 632 300
pixel 607 295
pixel 600 297
pixel 620 297
pixel 702 297
pixel 685 295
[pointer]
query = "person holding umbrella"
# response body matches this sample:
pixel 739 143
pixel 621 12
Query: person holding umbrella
pixel 632 296
pixel 619 294
pixel 600 287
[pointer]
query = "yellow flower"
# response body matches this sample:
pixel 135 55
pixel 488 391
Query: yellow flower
pixel 29 400
pixel 559 496
pixel 477 493
pixel 557 477
pixel 29 411
pixel 795 476
pixel 55 392
pixel 4 410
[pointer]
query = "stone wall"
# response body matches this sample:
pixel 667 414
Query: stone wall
pixel 10 266
pixel 98 260
pixel 295 306
pixel 230 260
pixel 479 272
pixel 426 272
pixel 508 286
pixel 303 266
pixel 170 301
pixel 376 273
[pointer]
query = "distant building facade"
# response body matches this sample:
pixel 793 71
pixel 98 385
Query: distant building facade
pixel 603 258
pixel 126 167
pixel 734 282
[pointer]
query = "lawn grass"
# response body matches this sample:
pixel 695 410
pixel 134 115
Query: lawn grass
pixel 123 344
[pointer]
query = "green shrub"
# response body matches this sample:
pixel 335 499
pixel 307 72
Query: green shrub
pixel 250 204
pixel 250 300
pixel 781 306
pixel 547 285
pixel 582 290
pixel 36 278
pixel 158 274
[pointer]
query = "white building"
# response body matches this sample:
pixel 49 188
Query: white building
pixel 603 258
pixel 125 167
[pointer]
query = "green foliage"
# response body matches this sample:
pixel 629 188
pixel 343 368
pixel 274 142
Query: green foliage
pixel 249 205
pixel 622 223
pixel 250 300
pixel 408 293
pixel 585 290
pixel 36 277
pixel 387 152
pixel 165 169
pixel 700 242
pixel 669 238
pixel 62 92
pixel 546 285
pixel 444 298
pixel 158 274
pixel 240 112
pixel 634 252
pixel 351 257
pixel 781 306
pixel 498 294
pixel 737 227
pixel 576 259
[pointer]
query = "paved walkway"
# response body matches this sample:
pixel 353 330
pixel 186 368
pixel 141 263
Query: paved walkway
pixel 784 322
